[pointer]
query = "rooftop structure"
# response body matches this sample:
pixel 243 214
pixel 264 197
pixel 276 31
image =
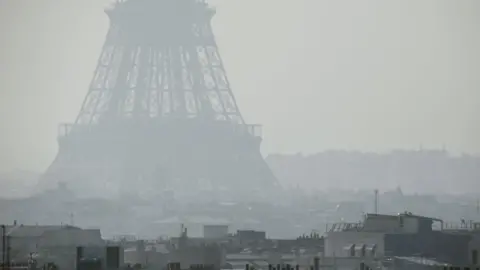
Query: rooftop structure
pixel 401 223
pixel 404 235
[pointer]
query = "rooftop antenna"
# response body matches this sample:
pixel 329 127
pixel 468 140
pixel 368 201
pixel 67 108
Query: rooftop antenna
pixel 478 207
pixel 376 201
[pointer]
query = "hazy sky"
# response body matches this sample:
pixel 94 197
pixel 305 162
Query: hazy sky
pixel 318 74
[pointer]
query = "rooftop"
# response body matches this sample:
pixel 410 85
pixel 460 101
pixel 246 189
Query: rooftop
pixel 389 223
pixel 34 230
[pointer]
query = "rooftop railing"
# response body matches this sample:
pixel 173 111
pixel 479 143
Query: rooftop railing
pixel 344 226
pixel 462 226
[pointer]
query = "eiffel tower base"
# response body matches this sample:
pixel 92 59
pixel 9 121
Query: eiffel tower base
pixel 149 158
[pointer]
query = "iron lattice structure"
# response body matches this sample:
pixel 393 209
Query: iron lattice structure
pixel 160 109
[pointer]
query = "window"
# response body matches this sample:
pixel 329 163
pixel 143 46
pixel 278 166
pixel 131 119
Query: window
pixel 360 250
pixel 373 252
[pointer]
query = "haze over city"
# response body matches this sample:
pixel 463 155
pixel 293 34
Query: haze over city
pixel 369 76
pixel 318 75
pixel 369 156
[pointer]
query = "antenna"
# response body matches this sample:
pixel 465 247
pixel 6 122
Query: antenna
pixel 376 201
pixel 72 221
pixel 478 207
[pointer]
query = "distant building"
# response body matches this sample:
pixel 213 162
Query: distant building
pixel 49 243
pixel 402 235
pixel 250 235
pixel 215 231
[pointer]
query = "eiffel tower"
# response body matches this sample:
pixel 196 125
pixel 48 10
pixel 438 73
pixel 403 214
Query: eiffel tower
pixel 159 112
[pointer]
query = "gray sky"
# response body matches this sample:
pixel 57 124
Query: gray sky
pixel 318 74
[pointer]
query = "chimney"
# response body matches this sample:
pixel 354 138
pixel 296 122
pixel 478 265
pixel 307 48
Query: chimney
pixel 316 263
pixel 78 256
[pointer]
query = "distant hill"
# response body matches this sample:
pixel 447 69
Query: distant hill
pixel 425 171
pixel 18 183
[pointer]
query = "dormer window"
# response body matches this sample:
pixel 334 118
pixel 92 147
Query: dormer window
pixel 371 250
pixel 350 250
pixel 360 250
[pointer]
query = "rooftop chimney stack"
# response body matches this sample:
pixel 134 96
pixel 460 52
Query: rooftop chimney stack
pixel 316 263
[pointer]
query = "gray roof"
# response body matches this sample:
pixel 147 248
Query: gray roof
pixel 422 261
pixel 71 237
pixel 34 230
